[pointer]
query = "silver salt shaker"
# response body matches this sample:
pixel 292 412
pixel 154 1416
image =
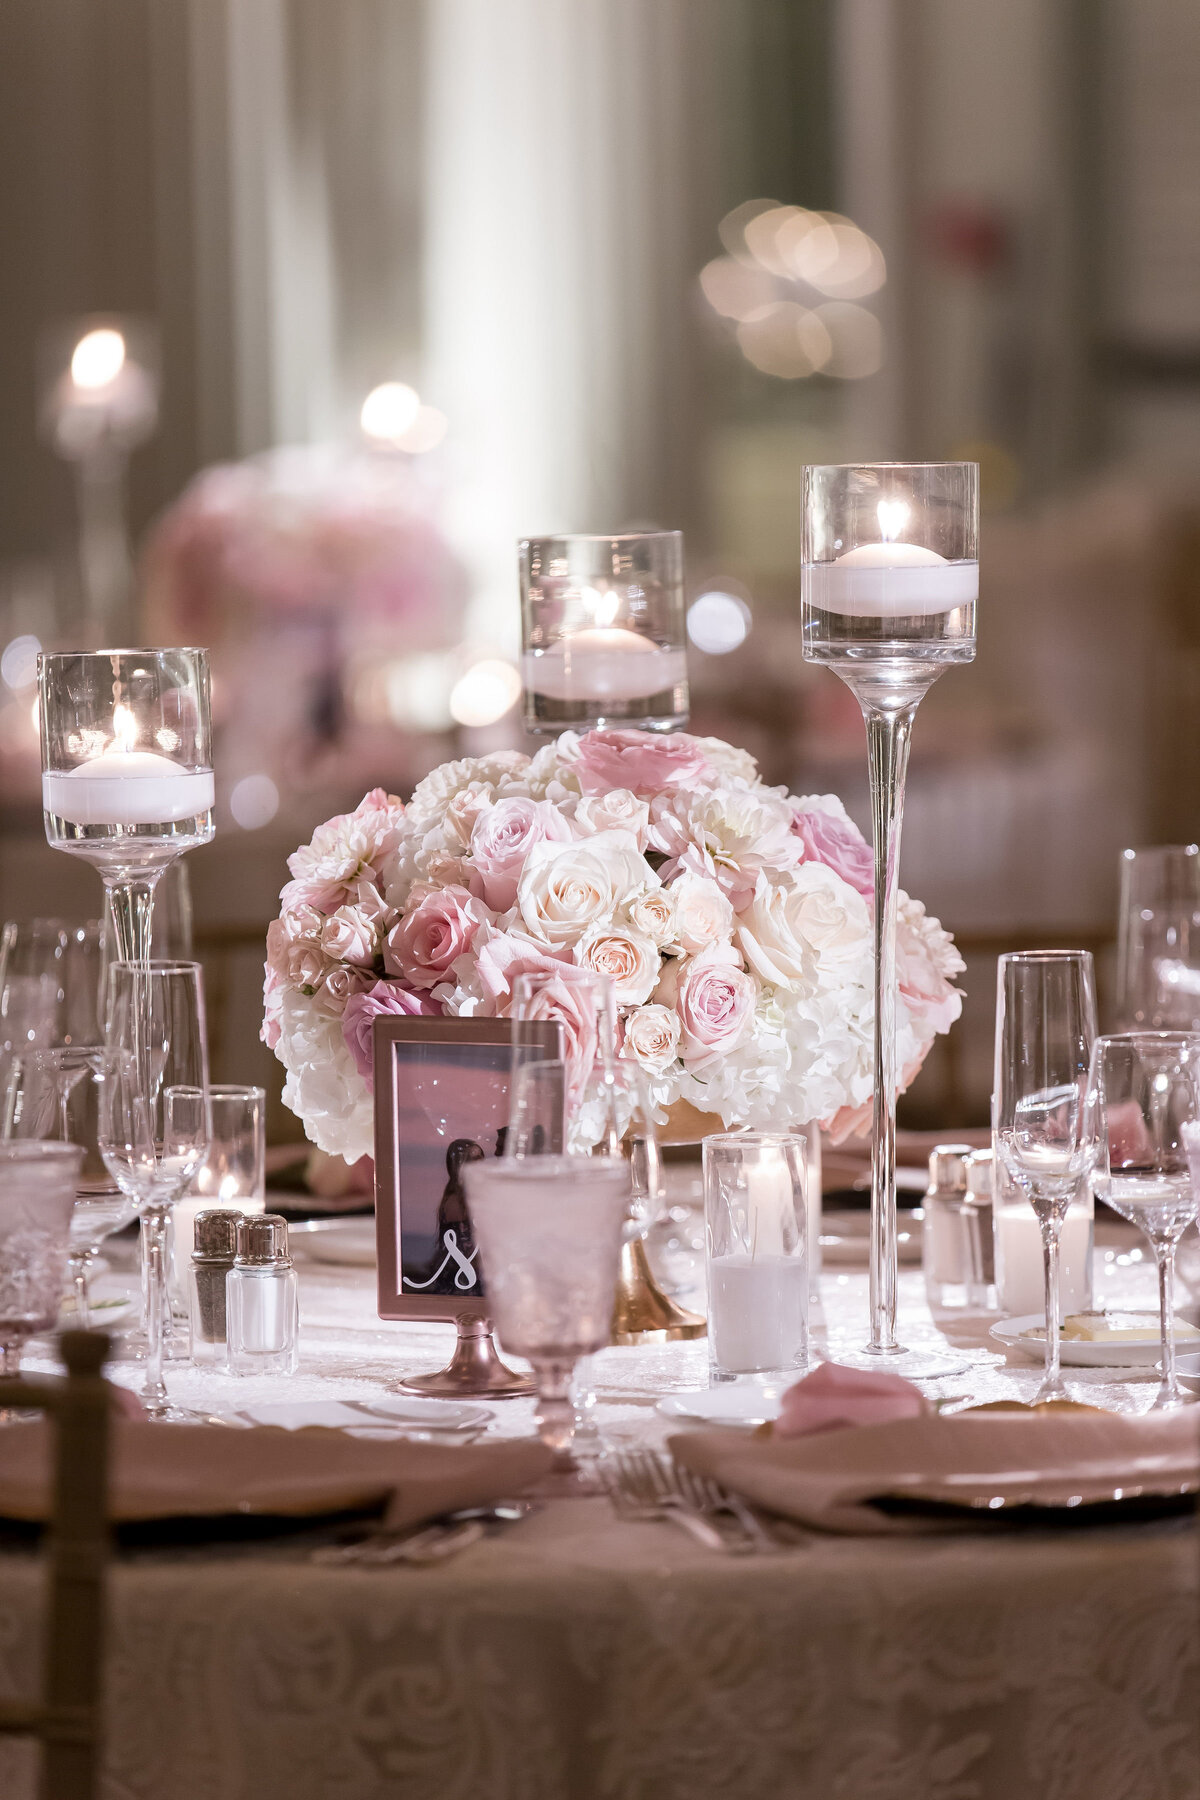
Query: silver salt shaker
pixel 263 1310
pixel 215 1246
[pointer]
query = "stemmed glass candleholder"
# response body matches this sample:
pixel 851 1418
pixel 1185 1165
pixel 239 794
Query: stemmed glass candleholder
pixel 127 780
pixel 890 582
pixel 602 632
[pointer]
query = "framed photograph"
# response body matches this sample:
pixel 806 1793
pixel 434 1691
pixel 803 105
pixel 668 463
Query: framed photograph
pixel 441 1100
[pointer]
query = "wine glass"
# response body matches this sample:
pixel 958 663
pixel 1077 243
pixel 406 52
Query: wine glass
pixel 1045 1029
pixel 890 580
pixel 549 1231
pixel 127 780
pixel 54 1096
pixel 154 1119
pixel 1158 939
pixel 1145 1093
pixel 37 1192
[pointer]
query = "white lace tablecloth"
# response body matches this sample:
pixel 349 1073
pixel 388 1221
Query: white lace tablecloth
pixel 577 1658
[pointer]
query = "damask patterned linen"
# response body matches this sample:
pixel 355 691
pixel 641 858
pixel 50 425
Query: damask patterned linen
pixel 578 1658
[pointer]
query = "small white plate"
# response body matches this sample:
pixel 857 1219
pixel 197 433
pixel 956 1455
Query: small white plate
pixel 342 1415
pixel 846 1239
pixel 1075 1354
pixel 347 1241
pixel 729 1404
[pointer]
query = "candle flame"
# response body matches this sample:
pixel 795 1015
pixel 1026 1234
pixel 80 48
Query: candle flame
pixel 893 517
pixel 125 728
pixel 604 608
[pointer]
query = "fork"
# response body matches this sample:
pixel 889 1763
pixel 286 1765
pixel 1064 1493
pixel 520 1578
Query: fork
pixel 710 1497
pixel 635 1483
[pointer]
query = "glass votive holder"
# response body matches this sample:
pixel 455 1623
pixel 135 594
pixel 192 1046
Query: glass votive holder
pixel 602 632
pixel 756 1244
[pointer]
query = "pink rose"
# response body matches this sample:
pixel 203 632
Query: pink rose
pixel 831 838
pixel 502 838
pixel 428 939
pixel 505 955
pixel 640 761
pixel 563 993
pixel 272 1025
pixel 338 987
pixel 362 1010
pixel 716 1006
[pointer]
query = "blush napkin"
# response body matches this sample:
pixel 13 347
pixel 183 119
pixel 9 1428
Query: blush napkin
pixel 833 1396
pixel 162 1471
pixel 827 1478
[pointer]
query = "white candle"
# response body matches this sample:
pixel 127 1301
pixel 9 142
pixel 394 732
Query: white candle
pixel 127 787
pixel 1020 1266
pixel 757 1313
pixel 603 663
pixel 771 1228
pixel 891 580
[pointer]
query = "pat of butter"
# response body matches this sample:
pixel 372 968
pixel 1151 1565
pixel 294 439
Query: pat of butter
pixel 1112 1328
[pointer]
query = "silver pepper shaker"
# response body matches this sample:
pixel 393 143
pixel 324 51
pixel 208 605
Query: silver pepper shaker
pixel 981 1274
pixel 264 1318
pixel 215 1246
pixel 946 1241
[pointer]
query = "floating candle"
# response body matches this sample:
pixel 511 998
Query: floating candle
pixel 882 581
pixel 127 787
pixel 603 663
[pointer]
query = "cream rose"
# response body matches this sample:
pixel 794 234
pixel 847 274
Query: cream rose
pixel 566 889
pixel 618 810
pixel 629 960
pixel 789 932
pixel 652 915
pixel 347 936
pixel 703 915
pixel 652 1038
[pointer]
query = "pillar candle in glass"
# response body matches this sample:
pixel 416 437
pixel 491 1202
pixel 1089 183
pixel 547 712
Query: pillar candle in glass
pixel 757 1254
pixel 127 779
pixel 890 580
pixel 602 632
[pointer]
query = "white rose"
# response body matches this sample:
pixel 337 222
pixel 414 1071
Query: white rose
pixel 792 930
pixel 734 831
pixel 652 1037
pixel 731 763
pixel 652 915
pixel 566 889
pixel 618 810
pixel 629 961
pixel 348 936
pixel 461 813
pixel 703 915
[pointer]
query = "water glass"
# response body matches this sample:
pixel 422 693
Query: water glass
pixel 756 1254
pixel 54 1096
pixel 1158 939
pixel 602 632
pixel 1045 1029
pixel 51 973
pixel 1145 1097
pixel 37 1193
pixel 549 1233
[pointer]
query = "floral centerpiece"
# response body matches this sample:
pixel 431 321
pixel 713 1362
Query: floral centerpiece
pixel 733 919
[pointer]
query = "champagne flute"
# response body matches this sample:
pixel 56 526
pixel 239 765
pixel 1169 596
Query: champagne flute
pixel 1045 1029
pixel 1145 1091
pixel 154 1119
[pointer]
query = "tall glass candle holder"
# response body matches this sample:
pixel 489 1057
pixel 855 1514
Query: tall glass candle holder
pixel 890 583
pixel 602 632
pixel 127 780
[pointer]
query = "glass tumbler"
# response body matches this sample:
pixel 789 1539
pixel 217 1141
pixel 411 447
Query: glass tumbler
pixel 757 1255
pixel 602 632
pixel 37 1193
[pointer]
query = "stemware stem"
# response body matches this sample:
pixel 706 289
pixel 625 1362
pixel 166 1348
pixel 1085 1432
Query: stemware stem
pixel 1168 1393
pixel 154 1391
pixel 131 909
pixel 80 1280
pixel 555 1412
pixel 10 1360
pixel 889 734
pixel 1052 1384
